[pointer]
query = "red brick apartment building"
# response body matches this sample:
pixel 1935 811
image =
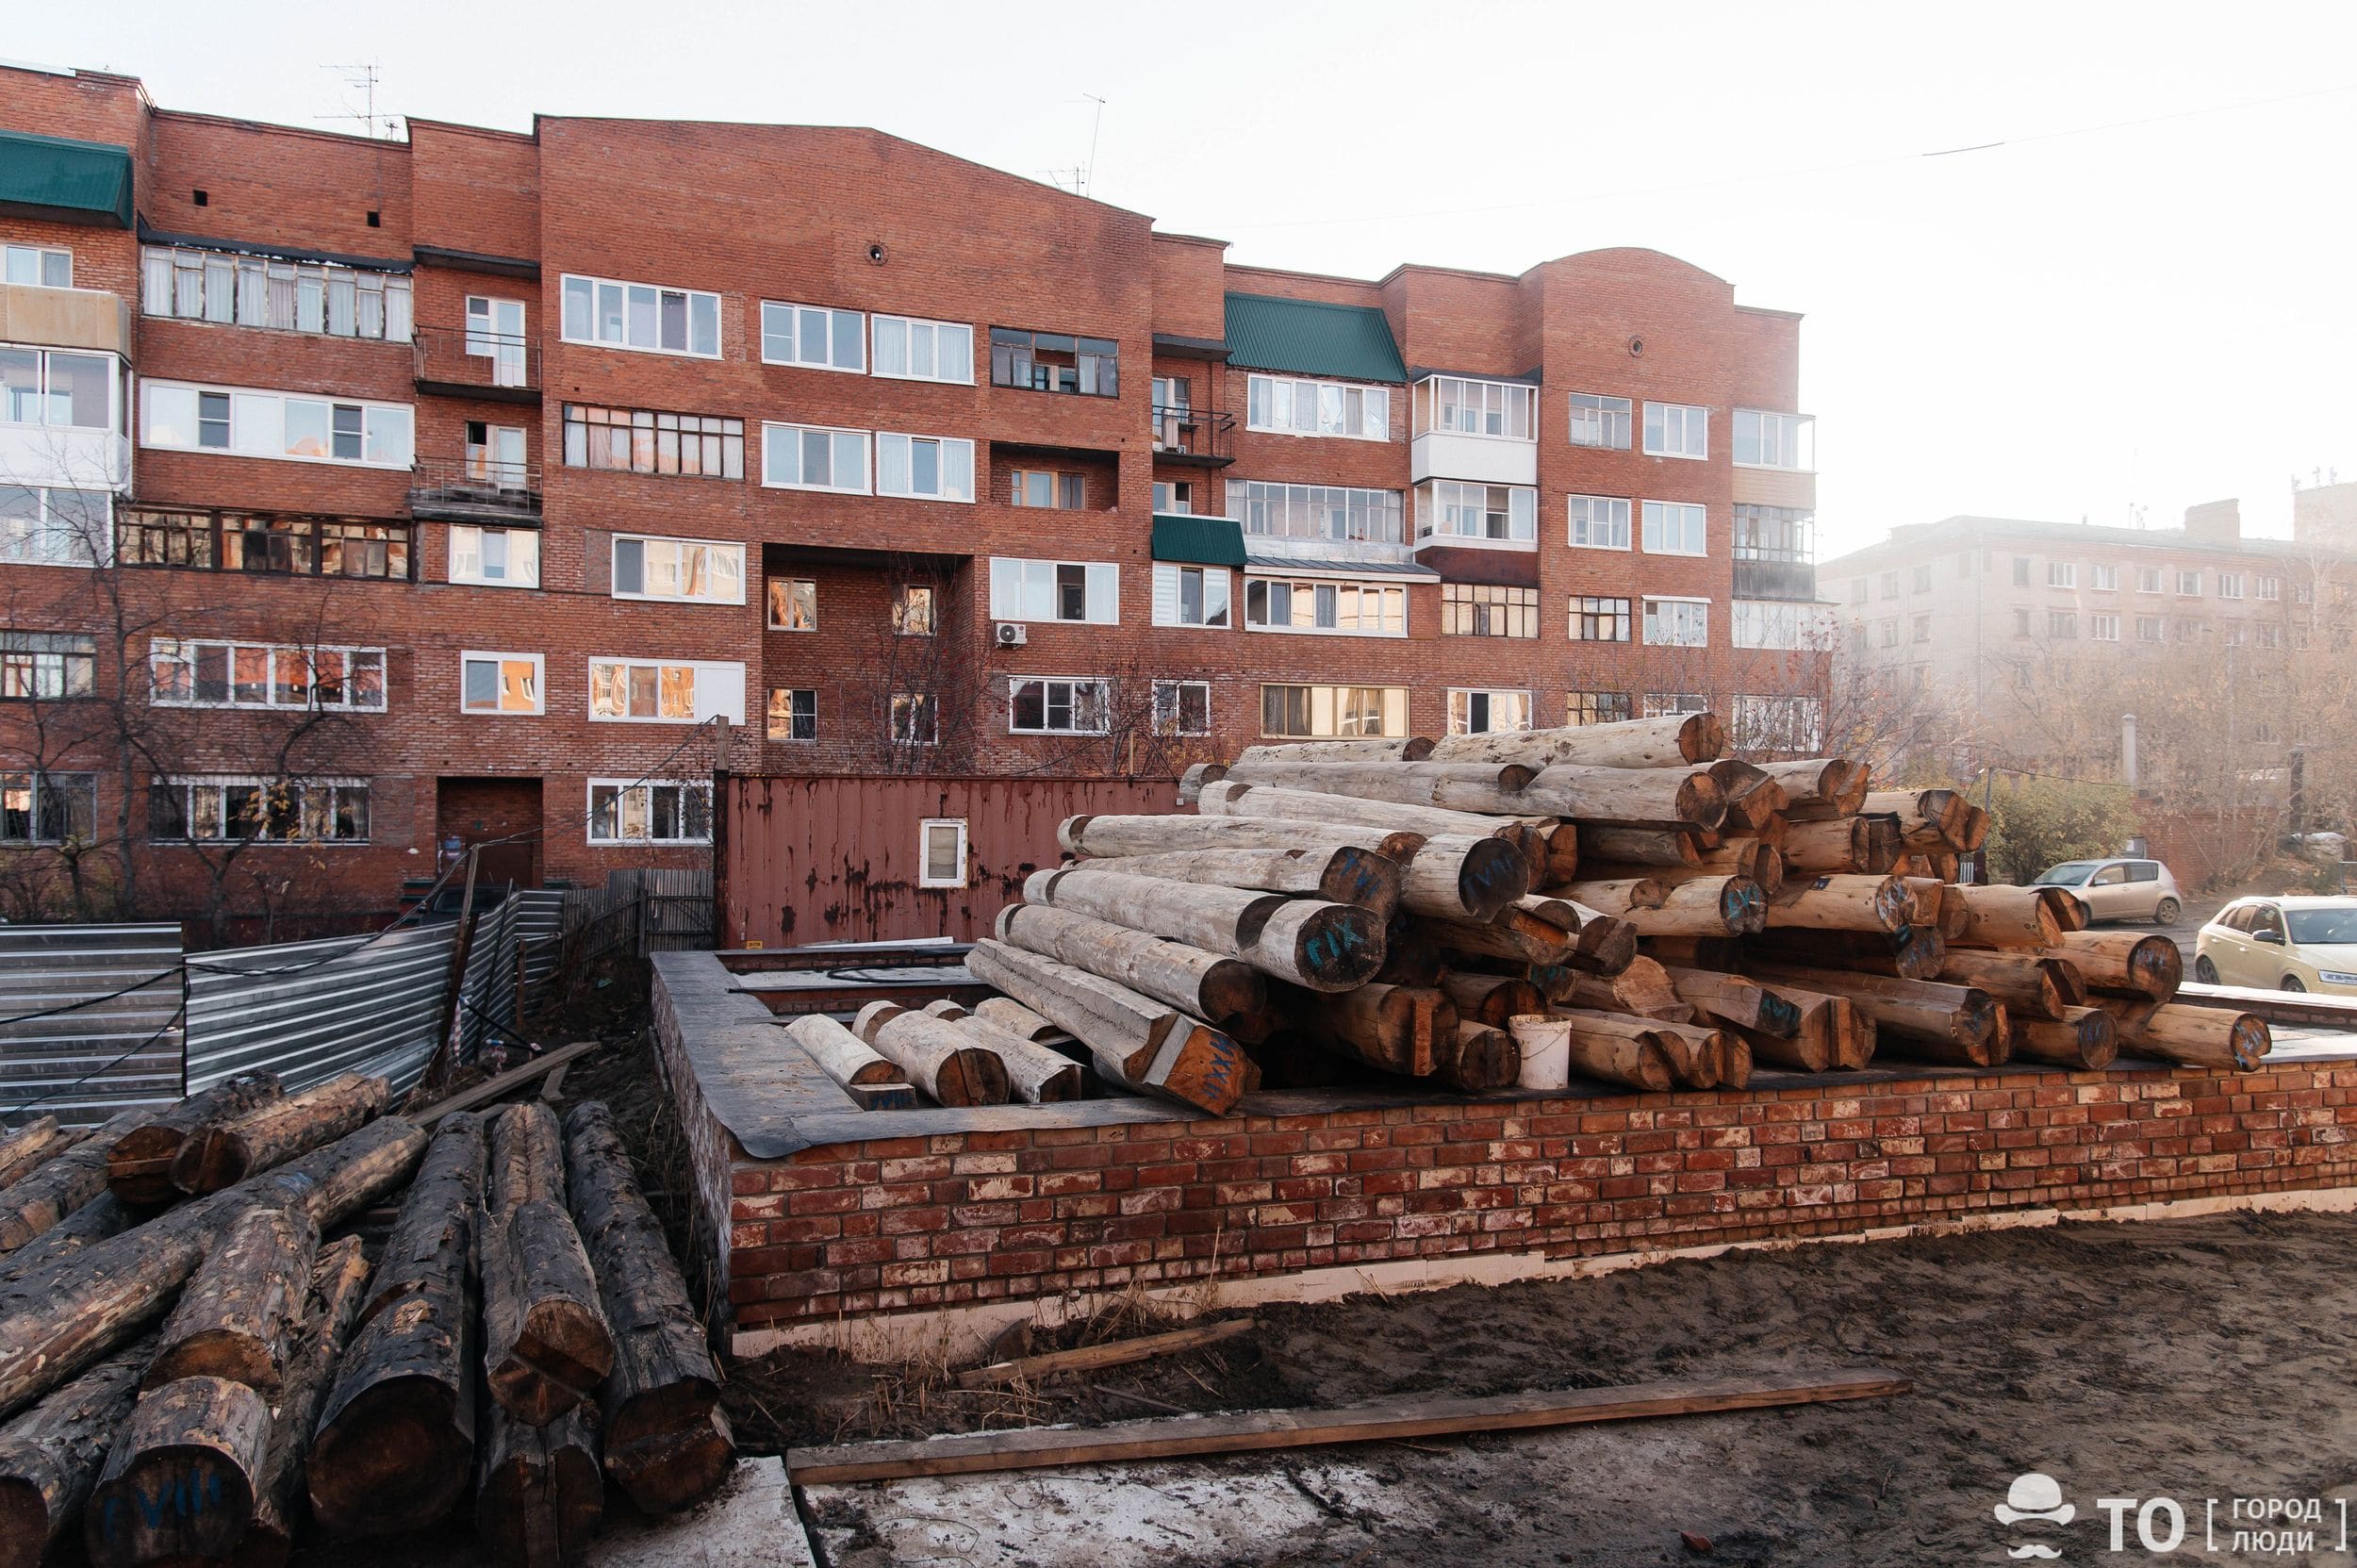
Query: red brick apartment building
pixel 362 496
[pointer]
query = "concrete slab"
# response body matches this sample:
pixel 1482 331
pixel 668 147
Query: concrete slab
pixel 750 1524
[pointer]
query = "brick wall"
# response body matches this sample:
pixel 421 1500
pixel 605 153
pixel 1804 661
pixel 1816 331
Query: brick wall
pixel 900 1225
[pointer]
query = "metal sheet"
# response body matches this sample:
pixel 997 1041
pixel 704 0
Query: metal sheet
pixel 308 1010
pixel 87 1064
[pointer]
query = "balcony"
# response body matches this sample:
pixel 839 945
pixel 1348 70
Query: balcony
pixel 1197 436
pixel 1775 577
pixel 474 488
pixel 461 362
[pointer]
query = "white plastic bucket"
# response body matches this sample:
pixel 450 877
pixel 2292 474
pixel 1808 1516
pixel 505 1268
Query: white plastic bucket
pixel 1546 1044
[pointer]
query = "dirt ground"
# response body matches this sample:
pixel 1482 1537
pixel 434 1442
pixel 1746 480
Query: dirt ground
pixel 2192 1359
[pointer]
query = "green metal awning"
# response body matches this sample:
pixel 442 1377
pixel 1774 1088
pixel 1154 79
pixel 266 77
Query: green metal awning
pixel 1311 337
pixel 1199 542
pixel 64 182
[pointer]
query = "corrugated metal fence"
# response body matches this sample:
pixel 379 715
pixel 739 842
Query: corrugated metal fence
pixel 90 1018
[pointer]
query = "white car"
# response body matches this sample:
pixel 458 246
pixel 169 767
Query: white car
pixel 2118 889
pixel 2286 944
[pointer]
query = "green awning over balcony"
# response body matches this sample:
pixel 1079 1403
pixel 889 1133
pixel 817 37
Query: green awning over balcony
pixel 64 182
pixel 1311 337
pixel 1198 541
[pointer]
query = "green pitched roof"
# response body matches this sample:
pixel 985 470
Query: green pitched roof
pixel 73 182
pixel 1311 337
pixel 1200 541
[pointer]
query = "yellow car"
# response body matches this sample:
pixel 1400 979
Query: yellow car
pixel 2281 944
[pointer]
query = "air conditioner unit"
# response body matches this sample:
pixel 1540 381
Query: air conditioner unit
pixel 1013 634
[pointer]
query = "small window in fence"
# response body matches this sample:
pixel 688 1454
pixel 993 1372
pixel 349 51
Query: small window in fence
pixel 941 842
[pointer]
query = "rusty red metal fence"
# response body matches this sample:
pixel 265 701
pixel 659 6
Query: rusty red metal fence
pixel 891 858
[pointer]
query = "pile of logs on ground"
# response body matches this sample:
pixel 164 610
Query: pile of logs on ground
pixel 1619 902
pixel 199 1359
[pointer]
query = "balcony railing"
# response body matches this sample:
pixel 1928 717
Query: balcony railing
pixel 1197 436
pixel 1774 574
pixel 468 362
pixel 474 488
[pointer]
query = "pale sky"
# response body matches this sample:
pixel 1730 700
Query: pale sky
pixel 2139 300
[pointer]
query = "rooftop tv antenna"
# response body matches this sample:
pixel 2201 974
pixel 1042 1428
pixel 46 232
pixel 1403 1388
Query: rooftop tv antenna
pixel 1096 124
pixel 363 79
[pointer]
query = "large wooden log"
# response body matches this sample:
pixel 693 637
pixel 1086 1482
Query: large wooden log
pixel 179 1481
pixel 1738 1002
pixel 2123 960
pixel 665 1442
pixel 2196 1036
pixel 1345 874
pixel 1610 1054
pixel 1670 741
pixel 952 1067
pixel 1396 1028
pixel 1461 876
pixel 1136 1041
pixel 1208 986
pixel 1701 906
pixel 1326 947
pixel 1117 836
pixel 138 1164
pixel 851 1063
pixel 1035 1075
pixel 395 1443
pixel 338 1283
pixel 546 1346
pixel 2030 986
pixel 2010 917
pixel 1478 1060
pixel 1840 904
pixel 2082 1037
pixel 1407 749
pixel 54 1322
pixel 50 1456
pixel 539 1491
pixel 1643 988
pixel 30 1146
pixel 1197 778
pixel 1011 1015
pixel 1944 1023
pixel 1832 1033
pixel 57 1187
pixel 217 1155
pixel 1667 848
pixel 1838 844
pixel 1936 813
pixel 1480 787
pixel 1626 796
pixel 1814 782
pixel 101 1218
pixel 1494 1001
pixel 237 1319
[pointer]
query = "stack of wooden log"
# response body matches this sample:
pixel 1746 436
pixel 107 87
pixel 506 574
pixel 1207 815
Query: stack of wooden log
pixel 197 1357
pixel 1621 902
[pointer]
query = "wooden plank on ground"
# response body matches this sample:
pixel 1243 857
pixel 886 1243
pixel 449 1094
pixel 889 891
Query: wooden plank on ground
pixel 1413 1415
pixel 514 1078
pixel 1111 1353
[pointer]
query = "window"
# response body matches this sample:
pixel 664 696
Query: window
pixel 2103 628
pixel 1922 628
pixel 500 682
pixel 1857 591
pixel 1888 630
pixel 1182 707
pixel 1890 584
pixel 1055 362
pixel 2230 585
pixel 915 720
pixel 809 457
pixel 1054 590
pixel 1288 407
pixel 1066 493
pixel 495 331
pixel 1174 496
pixel 47 665
pixel 1778 723
pixel 631 691
pixel 1598 619
pixel 227 810
pixel 2148 579
pixel 2233 637
pixel 650 440
pixel 1189 596
pixel 935 467
pixel 2304 593
pixel 941 847
pixel 57 528
pixel 623 811
pixel 793 712
pixel 2063 625
pixel 198 673
pixel 1675 430
pixel 1923 579
pixel 1333 713
pixel 2270 588
pixel 1463 407
pixel 814 335
pixel 48 808
pixel 1676 528
pixel 238 542
pixel 911 350
pixel 2149 628
pixel 1485 610
pixel 1329 512
pixel 276 424
pixel 2189 630
pixel 288 296
pixel 53 388
pixel 38 265
pixel 1348 609
pixel 913 612
pixel 793 604
pixel 1039 705
pixel 1453 509
pixel 1766 440
pixel 1596 707
pixel 495 558
pixel 2062 574
pixel 697 571
pixel 2270 636
pixel 2189 585
pixel 1660 704
pixel 2020 571
pixel 1599 522
pixel 1677 623
pixel 1481 713
pixel 2105 579
pixel 642 316
pixel 1600 422
pixel 1783 623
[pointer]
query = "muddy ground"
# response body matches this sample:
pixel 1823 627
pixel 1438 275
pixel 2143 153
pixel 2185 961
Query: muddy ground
pixel 2195 1358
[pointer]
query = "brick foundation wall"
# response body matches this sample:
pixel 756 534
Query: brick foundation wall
pixel 903 1225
